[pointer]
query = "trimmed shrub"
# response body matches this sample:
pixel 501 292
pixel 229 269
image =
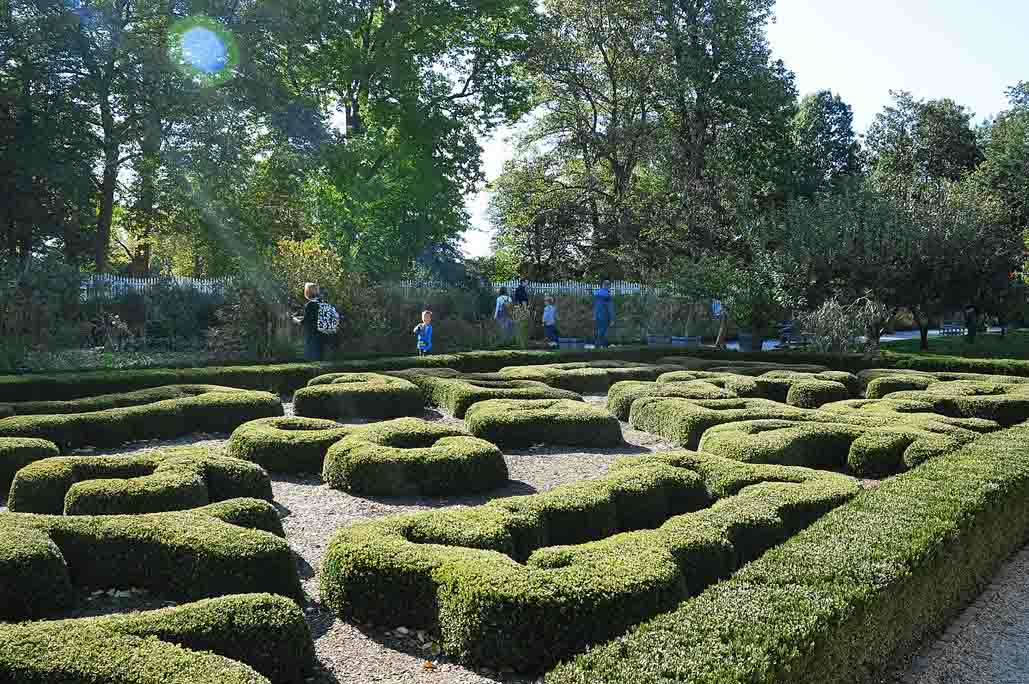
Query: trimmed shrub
pixel 864 451
pixel 587 377
pixel 358 395
pixel 524 422
pixel 622 394
pixel 207 408
pixel 18 452
pixel 247 638
pixel 851 594
pixel 879 387
pixel 814 393
pixel 413 456
pixel 167 480
pixel 186 555
pixel 679 521
pixel 110 401
pixel 456 395
pixel 1005 403
pixel 286 444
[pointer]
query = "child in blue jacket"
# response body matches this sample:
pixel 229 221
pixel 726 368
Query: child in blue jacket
pixel 424 333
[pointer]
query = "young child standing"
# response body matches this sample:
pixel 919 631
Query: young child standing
pixel 424 333
pixel 550 320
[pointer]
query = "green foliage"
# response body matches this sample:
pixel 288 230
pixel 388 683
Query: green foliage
pixel 213 640
pixel 524 422
pixel 286 444
pixel 825 146
pixel 168 480
pixel 186 555
pixel 456 395
pixel 358 395
pixel 906 556
pixel 18 452
pixel 412 456
pixel 598 556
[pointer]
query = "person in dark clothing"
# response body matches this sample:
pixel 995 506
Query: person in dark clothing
pixel 603 313
pixel 972 322
pixel 521 294
pixel 314 346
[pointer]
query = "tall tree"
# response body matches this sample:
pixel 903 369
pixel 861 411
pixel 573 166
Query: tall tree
pixel 825 147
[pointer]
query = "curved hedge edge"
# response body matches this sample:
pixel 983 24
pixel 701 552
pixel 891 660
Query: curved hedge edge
pixel 457 395
pixel 117 400
pixel 524 422
pixel 177 478
pixel 358 395
pixel 223 548
pixel 214 411
pixel 848 595
pixel 18 452
pixel 286 444
pixel 264 632
pixel 411 456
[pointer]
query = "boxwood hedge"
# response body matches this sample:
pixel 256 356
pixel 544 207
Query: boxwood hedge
pixel 524 422
pixel 622 394
pixel 286 444
pixel 229 547
pixel 413 456
pixel 525 581
pixel 456 395
pixel 167 480
pixel 242 639
pixel 864 451
pixel 18 452
pixel 202 408
pixel 587 377
pixel 855 591
pixel 1005 403
pixel 358 395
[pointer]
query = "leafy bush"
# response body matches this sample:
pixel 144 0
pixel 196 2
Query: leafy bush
pixel 413 456
pixel 845 328
pixel 524 422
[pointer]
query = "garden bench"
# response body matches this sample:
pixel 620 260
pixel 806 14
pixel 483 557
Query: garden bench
pixel 952 328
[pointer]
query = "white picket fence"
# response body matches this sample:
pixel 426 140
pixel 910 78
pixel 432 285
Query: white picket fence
pixel 620 287
pixel 106 285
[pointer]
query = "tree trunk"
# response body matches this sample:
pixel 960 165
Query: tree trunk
pixel 107 187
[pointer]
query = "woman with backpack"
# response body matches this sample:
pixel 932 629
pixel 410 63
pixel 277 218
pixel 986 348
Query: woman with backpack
pixel 319 320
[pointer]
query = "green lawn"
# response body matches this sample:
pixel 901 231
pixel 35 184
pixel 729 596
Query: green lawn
pixel 1014 345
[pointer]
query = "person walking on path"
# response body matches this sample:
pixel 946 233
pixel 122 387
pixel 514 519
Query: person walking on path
pixel 521 294
pixel 550 320
pixel 720 314
pixel 502 315
pixel 603 312
pixel 423 331
pixel 314 347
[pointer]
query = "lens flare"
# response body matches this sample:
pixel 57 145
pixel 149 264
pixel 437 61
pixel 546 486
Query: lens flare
pixel 203 50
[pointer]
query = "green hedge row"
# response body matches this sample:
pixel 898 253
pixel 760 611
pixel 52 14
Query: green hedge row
pixel 205 408
pixel 522 582
pixel 286 444
pixel 903 443
pixel 242 639
pixel 862 587
pixel 413 456
pixel 18 452
pixel 288 377
pixel 358 395
pixel 524 422
pixel 456 395
pixel 587 377
pixel 229 547
pixel 168 480
pixel 1004 403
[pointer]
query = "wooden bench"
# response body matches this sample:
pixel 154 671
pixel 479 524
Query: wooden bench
pixel 952 328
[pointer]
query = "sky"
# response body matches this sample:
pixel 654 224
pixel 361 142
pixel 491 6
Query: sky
pixel 970 52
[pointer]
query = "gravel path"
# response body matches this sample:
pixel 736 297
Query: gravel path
pixel 988 643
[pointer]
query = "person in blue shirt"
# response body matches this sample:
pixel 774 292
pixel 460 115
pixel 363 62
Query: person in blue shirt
pixel 603 312
pixel 424 333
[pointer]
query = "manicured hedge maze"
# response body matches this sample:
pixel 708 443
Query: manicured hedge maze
pixel 229 547
pixel 851 594
pixel 524 422
pixel 456 395
pixel 195 408
pixel 18 452
pixel 413 456
pixel 286 444
pixel 358 395
pixel 168 480
pixel 524 582
pixel 587 377
pixel 242 639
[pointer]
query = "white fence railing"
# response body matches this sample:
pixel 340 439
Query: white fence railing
pixel 101 285
pixel 621 287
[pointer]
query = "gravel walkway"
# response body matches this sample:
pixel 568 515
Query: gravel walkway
pixel 988 643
